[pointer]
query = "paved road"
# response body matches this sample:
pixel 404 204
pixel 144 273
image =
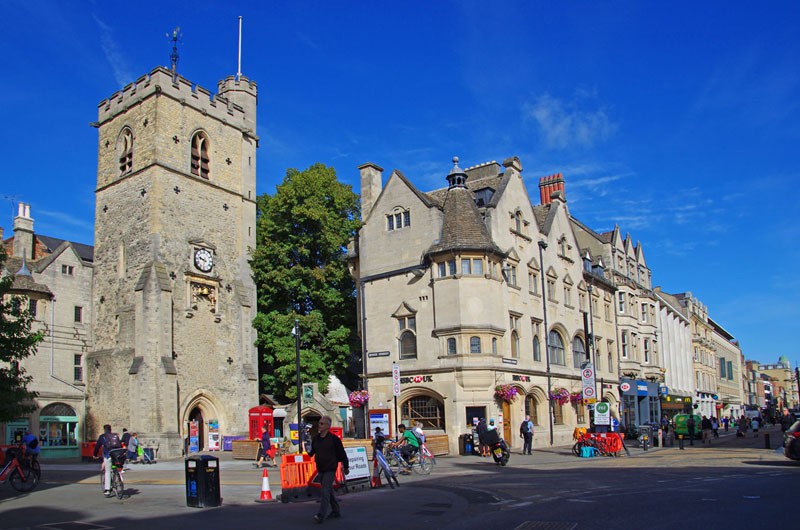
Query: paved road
pixel 733 483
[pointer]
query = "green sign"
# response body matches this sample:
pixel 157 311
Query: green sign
pixel 602 414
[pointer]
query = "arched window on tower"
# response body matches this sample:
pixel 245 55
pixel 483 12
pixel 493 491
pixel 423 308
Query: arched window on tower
pixel 125 151
pixel 556 349
pixel 200 160
pixel 578 352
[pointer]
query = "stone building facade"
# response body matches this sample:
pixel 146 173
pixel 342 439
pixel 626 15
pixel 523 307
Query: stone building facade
pixel 457 291
pixel 54 279
pixel 704 355
pixel 676 352
pixel 173 292
pixel 730 390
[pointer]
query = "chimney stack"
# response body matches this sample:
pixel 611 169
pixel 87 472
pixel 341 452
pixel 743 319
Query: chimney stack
pixel 23 232
pixel 371 183
pixel 549 185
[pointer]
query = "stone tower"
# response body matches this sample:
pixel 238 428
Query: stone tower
pixel 174 298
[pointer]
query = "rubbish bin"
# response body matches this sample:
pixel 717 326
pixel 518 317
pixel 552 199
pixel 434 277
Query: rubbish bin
pixel 202 481
pixel 465 444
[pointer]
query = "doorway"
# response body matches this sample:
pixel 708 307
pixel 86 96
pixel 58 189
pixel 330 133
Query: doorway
pixel 197 415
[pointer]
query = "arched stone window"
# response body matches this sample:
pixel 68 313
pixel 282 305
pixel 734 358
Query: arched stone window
pixel 578 352
pixel 556 349
pixel 514 344
pixel 531 406
pixel 58 424
pixel 451 346
pixel 200 159
pixel 408 345
pixel 537 349
pixel 125 151
pixel 475 345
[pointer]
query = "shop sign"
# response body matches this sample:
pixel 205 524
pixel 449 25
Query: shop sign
pixel 378 354
pixel 641 389
pixel 416 379
pixel 359 465
pixel 625 387
pixel 521 378
pixel 663 390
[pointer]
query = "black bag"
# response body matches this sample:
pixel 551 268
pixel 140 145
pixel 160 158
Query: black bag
pixel 113 441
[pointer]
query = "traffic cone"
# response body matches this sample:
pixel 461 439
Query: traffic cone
pixel 376 475
pixel 266 493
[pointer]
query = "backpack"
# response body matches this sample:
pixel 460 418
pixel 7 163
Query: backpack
pixel 523 428
pixel 113 441
pixel 420 441
pixel 33 443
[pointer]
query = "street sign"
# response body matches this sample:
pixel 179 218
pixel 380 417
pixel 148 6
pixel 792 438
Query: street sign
pixel 602 414
pixel 589 383
pixel 396 379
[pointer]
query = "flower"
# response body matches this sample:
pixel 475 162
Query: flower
pixel 561 395
pixel 507 393
pixel 358 398
pixel 576 397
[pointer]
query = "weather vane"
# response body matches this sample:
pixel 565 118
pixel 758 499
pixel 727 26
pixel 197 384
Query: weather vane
pixel 174 37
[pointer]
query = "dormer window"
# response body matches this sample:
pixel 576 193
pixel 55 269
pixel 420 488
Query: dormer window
pixel 398 219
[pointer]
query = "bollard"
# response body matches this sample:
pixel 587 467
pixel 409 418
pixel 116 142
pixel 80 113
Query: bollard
pixel 680 442
pixel 766 441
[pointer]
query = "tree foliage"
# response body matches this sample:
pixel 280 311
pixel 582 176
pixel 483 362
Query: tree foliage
pixel 300 270
pixel 17 342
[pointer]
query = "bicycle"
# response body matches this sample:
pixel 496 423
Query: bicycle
pixel 117 468
pixel 420 463
pixel 22 474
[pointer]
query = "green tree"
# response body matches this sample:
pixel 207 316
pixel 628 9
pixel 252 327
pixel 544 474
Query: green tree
pixel 17 342
pixel 300 270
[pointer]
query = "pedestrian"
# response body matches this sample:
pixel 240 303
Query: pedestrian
pixel 690 425
pixel 133 448
pixel 787 420
pixel 754 425
pixel 264 447
pixel 725 422
pixel 715 426
pixel 305 439
pixel 481 429
pixel 705 425
pixel 417 430
pixel 378 441
pixel 526 432
pixel 491 426
pixel 328 453
pixel 126 437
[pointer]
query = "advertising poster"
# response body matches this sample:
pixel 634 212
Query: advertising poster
pixel 379 418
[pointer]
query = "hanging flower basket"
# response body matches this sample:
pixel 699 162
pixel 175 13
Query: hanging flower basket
pixel 561 395
pixel 359 398
pixel 506 393
pixel 576 398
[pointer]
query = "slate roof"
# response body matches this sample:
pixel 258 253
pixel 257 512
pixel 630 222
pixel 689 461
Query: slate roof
pixel 25 282
pixel 463 227
pixel 86 252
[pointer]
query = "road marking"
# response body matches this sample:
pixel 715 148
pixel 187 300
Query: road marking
pixel 581 500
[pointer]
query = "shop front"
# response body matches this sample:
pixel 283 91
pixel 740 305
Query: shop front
pixel 58 431
pixel 675 404
pixel 641 404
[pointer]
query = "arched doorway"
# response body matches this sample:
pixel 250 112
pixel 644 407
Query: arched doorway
pixel 196 429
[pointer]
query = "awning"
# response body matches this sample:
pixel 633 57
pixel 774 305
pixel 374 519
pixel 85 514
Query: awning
pixel 279 413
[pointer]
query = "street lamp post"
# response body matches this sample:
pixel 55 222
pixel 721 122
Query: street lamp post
pixel 542 246
pixel 296 333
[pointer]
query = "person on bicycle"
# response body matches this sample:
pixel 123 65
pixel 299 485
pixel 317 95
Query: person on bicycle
pixel 378 441
pixel 31 442
pixel 105 443
pixel 407 443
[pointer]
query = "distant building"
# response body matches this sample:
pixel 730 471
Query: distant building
pixel 54 278
pixel 730 390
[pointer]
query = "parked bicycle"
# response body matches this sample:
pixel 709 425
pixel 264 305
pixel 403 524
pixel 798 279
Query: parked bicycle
pixel 420 463
pixel 609 445
pixel 23 474
pixel 117 469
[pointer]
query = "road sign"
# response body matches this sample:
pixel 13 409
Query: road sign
pixel 602 414
pixel 396 379
pixel 589 383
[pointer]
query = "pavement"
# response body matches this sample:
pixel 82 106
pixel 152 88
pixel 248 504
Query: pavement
pixel 70 497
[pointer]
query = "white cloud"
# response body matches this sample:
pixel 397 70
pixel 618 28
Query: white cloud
pixel 116 59
pixel 564 124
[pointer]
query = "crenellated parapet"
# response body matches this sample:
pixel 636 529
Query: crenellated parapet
pixel 160 82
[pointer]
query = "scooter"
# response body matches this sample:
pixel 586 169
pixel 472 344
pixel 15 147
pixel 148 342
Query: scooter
pixel 497 446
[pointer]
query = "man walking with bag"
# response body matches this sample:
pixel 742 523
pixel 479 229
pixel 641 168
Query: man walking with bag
pixel 328 452
pixel 526 432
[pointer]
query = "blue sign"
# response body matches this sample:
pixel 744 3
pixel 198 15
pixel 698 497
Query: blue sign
pixel 641 389
pixel 663 390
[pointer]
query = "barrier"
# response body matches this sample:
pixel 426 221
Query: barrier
pixel 376 475
pixel 295 477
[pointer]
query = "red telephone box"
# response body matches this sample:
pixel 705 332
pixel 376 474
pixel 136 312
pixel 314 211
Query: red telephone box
pixel 259 416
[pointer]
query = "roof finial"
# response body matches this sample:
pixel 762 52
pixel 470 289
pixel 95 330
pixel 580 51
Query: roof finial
pixel 175 37
pixel 457 178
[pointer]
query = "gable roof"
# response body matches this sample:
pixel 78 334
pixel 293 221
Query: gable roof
pixel 85 252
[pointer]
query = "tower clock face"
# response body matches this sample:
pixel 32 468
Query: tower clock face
pixel 203 259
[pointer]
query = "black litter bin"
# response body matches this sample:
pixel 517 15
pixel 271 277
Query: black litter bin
pixel 465 444
pixel 202 481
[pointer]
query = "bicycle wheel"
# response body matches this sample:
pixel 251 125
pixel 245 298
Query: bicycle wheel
pixel 423 466
pixel 117 484
pixel 24 481
pixel 576 449
pixel 37 470
pixel 394 463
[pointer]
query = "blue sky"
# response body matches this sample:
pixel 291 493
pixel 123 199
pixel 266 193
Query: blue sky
pixel 679 121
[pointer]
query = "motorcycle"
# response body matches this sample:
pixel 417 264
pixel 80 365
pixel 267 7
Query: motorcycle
pixel 497 446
